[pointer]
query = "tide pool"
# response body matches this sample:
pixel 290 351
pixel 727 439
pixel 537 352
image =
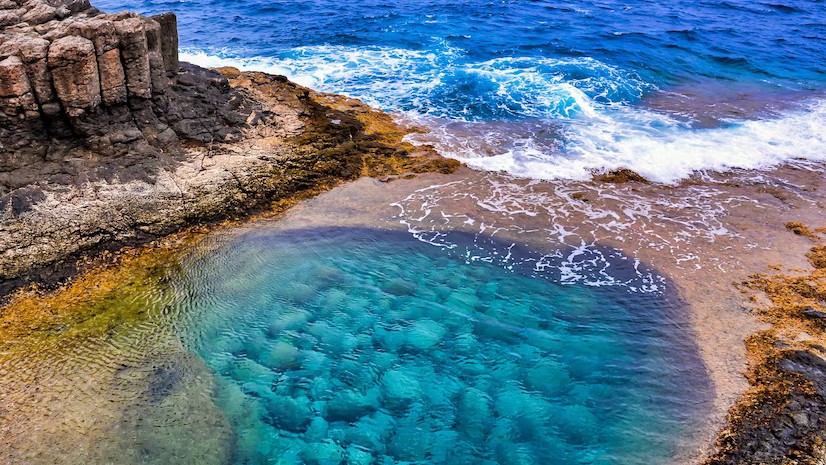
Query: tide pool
pixel 357 346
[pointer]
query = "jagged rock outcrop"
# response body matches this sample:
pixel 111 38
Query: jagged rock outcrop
pixel 106 139
pixel 72 75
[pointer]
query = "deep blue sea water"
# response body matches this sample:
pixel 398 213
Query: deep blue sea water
pixel 366 347
pixel 549 89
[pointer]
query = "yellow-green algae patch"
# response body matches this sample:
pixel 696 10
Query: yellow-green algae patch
pixel 88 376
pixel 91 373
pixel 780 419
pixel 98 300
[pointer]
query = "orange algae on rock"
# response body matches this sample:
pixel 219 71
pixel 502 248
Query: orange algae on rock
pixel 817 256
pixel 801 230
pixel 782 417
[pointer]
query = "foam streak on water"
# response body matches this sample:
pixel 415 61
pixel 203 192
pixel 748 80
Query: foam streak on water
pixel 570 219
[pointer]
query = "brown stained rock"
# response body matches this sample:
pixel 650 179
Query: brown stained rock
pixel 16 97
pixel 134 52
pixel 169 41
pixel 112 78
pixel 34 54
pixel 8 18
pixel 74 68
pixel 104 36
pixel 38 12
pixel 100 30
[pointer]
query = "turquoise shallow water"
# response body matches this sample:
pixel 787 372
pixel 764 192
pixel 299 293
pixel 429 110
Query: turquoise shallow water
pixel 356 346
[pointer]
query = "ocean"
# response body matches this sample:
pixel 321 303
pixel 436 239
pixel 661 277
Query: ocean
pixel 548 89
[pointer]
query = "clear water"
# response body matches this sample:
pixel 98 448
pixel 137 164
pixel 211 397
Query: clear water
pixel 358 346
pixel 549 89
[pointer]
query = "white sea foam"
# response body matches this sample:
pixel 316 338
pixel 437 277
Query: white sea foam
pixel 660 148
pixel 541 118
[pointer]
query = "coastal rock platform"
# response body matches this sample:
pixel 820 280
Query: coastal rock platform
pixel 107 139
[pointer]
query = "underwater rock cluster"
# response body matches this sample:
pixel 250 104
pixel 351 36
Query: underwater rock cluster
pixel 363 351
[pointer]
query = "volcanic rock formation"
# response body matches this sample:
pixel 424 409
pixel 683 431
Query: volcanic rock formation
pixel 70 73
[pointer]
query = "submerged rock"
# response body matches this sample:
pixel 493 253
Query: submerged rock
pixel 288 413
pixel 323 453
pixel 474 414
pixel 548 377
pixel 410 443
pixel 399 389
pixel 350 406
pixel 282 356
pixel 400 287
pixel 357 456
pixel 425 334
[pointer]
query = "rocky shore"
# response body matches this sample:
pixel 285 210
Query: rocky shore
pixel 107 139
